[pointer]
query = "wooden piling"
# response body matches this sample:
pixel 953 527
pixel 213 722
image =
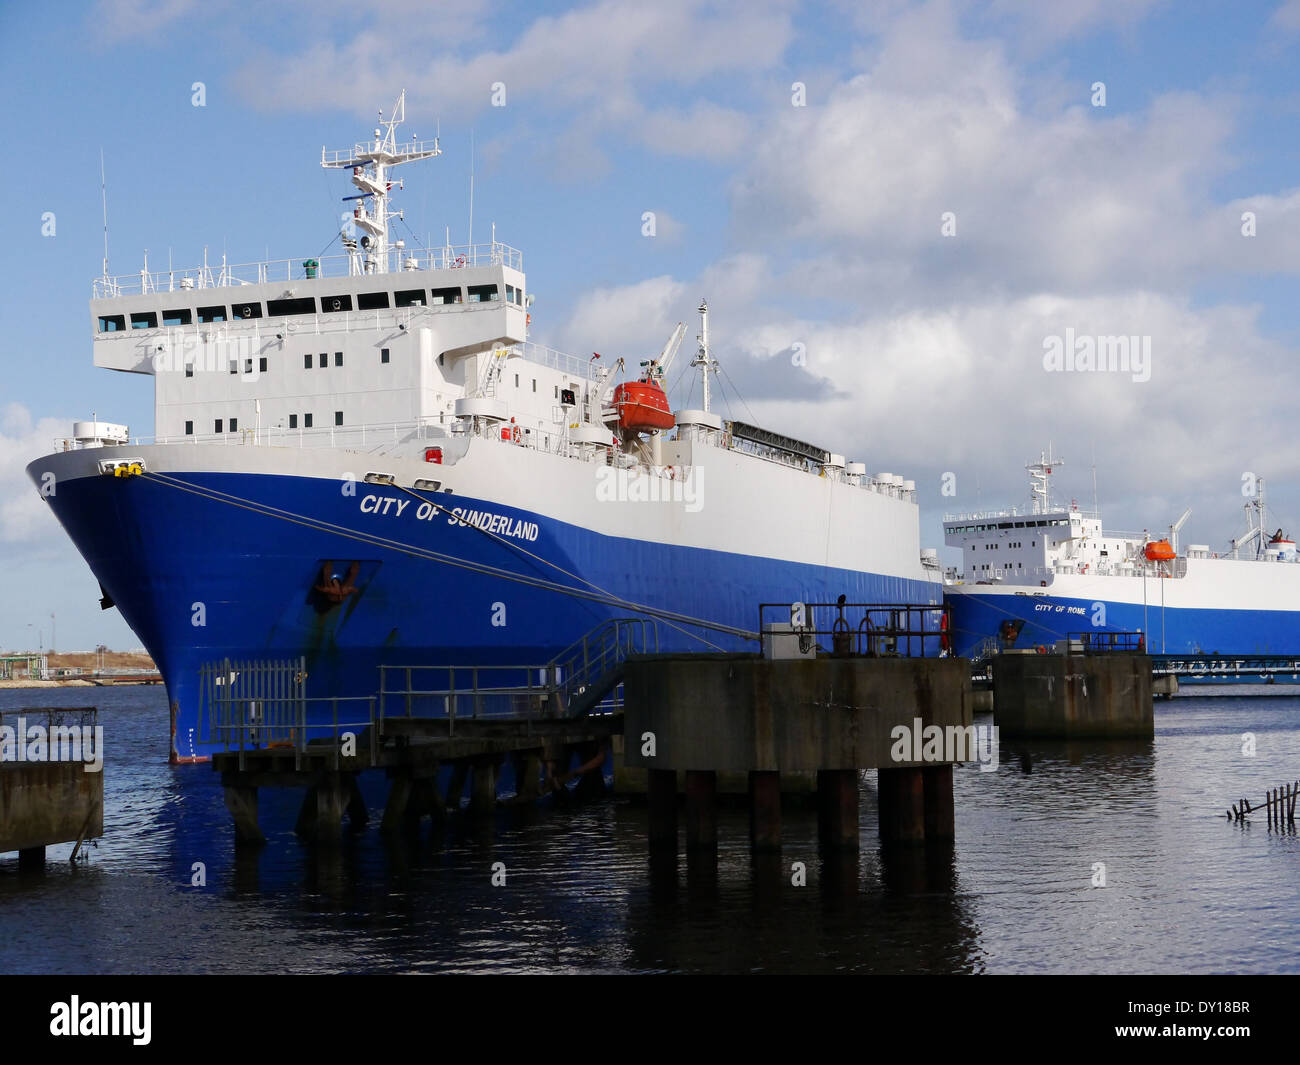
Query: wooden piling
pixel 940 814
pixel 395 809
pixel 837 808
pixel 358 815
pixel 483 794
pixel 456 788
pixel 661 790
pixel 241 801
pixel 332 797
pixel 765 810
pixel 528 776
pixel 902 804
pixel 701 809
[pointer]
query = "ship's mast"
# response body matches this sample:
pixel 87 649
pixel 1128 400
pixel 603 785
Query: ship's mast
pixel 703 358
pixel 1039 474
pixel 370 163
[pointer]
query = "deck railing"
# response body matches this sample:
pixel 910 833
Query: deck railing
pixel 234 275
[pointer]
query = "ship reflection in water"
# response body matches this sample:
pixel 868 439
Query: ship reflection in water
pixel 1185 891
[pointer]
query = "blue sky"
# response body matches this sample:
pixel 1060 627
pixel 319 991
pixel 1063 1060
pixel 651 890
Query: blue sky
pixel 816 225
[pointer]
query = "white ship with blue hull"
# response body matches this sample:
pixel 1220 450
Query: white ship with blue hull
pixel 363 461
pixel 1036 574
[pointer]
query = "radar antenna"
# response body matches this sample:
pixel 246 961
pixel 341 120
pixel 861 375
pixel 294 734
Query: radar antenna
pixel 370 162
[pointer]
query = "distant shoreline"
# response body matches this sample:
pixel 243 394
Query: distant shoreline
pixel 28 682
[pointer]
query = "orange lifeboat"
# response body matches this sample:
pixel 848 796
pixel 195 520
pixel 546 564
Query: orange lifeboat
pixel 1160 551
pixel 642 406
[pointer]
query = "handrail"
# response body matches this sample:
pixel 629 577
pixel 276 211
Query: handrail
pixel 270 271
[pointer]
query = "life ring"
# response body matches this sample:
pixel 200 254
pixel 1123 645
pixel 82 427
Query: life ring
pixel 516 435
pixel 672 473
pixel 1042 650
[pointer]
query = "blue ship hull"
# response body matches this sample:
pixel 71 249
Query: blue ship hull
pixel 200 580
pixel 976 618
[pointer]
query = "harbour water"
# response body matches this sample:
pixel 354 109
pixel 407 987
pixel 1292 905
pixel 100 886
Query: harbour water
pixel 1185 890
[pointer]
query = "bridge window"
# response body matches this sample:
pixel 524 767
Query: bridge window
pixel 445 295
pixel 338 358
pixel 306 421
pixel 189 428
pixel 280 308
pixel 510 293
pixel 372 301
pixel 216 426
pixel 261 365
pixel 413 297
pixel 293 421
pixel 247 310
pixel 234 425
pixel 324 359
pixel 383 354
pixel 483 293
pixel 144 320
pixel 112 323
pixel 182 316
pixel 331 304
pixel 338 417
pixel 189 369
pixel 212 314
pixel 306 361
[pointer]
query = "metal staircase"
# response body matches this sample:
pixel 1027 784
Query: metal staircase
pixel 588 673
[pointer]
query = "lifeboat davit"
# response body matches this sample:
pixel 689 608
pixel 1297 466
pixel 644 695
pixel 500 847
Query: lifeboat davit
pixel 1160 551
pixel 642 406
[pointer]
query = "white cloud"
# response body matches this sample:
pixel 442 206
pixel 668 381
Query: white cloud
pixel 1287 16
pixel 117 20
pixel 596 58
pixel 25 518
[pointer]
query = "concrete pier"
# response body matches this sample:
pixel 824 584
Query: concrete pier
pixel 1073 695
pixel 710 715
pixel 47 802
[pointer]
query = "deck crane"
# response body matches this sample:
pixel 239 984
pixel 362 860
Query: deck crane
pixel 1173 529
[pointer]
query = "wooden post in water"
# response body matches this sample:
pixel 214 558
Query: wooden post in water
pixel 661 789
pixel 701 809
pixel 765 810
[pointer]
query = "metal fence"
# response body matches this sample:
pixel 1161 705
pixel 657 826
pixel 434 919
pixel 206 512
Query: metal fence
pixel 585 678
pixel 247 705
pixel 872 630
pixel 1097 643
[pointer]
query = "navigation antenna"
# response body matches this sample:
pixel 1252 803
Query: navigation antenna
pixel 370 162
pixel 103 189
pixel 703 358
pixel 1039 474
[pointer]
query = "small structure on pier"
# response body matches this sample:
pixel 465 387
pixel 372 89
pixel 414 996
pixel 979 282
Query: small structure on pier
pixel 1099 686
